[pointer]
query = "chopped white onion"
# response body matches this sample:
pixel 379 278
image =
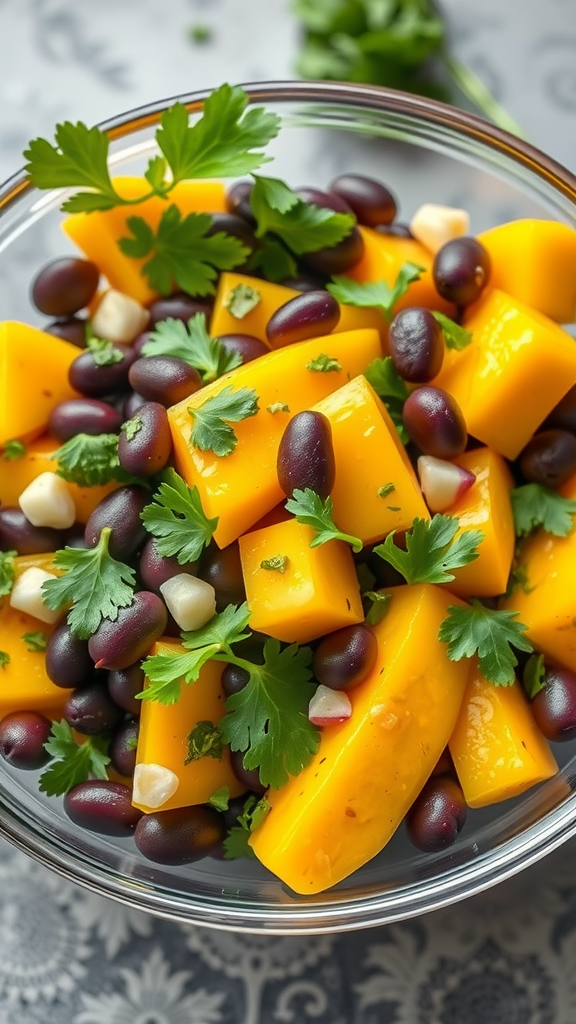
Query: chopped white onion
pixel 433 225
pixel 442 482
pixel 26 595
pixel 190 601
pixel 119 318
pixel 47 502
pixel 327 706
pixel 153 785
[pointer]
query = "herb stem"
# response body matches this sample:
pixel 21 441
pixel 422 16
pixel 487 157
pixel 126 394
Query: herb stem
pixel 475 90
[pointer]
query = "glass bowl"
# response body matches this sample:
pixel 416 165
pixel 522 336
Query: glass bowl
pixel 424 151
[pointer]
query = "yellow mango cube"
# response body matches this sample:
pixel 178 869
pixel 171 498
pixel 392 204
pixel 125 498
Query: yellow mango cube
pixel 497 749
pixel 241 487
pixel 517 367
pixel 347 803
pixel 315 592
pixel 164 731
pixel 369 458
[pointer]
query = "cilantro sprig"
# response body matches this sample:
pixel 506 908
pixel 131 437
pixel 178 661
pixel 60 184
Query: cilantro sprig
pixel 13 449
pixel 391 388
pixel 211 430
pixel 89 460
pixel 375 294
pixel 489 634
pixel 455 336
pixel 73 762
pixel 302 227
pixel 204 740
pixel 315 511
pixel 94 584
pixel 253 814
pixel 534 506
pixel 432 550
pixel 177 520
pixel 7 572
pixel 192 343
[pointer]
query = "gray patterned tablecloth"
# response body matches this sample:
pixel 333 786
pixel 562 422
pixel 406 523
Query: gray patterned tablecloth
pixel 68 957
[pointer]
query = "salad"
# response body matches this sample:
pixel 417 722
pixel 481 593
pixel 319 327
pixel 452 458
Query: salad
pixel 287 492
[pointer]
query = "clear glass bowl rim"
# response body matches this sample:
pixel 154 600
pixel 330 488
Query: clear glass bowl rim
pixel 424 895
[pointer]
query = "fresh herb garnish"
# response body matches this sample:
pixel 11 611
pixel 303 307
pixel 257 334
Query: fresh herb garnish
pixel 323 364
pixel 277 407
pixel 391 388
pixel 74 762
pixel 211 430
pixel 312 510
pixel 385 490
pixel 193 344
pixel 535 506
pixel 534 675
pixel 104 353
pixel 4 659
pixel 177 520
pixel 89 460
pixel 455 336
pixel 242 300
pixel 204 740
pixel 375 294
pixel 302 227
pixel 220 799
pixel 35 641
pixel 7 572
pixel 278 563
pixel 432 550
pixel 226 141
pixel 14 450
pixel 96 586
pixel 200 33
pixel 253 814
pixel 130 428
pixel 273 260
pixel 519 579
pixel 378 602
pixel 490 634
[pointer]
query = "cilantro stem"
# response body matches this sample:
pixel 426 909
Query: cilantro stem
pixel 472 86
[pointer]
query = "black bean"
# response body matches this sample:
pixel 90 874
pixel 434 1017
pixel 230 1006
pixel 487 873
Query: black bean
pixel 179 836
pixel 305 316
pixel 416 344
pixel 71 329
pixel 435 423
pixel 549 458
pixel 234 679
pixel 83 416
pixel 238 200
pixel 563 415
pixel 222 568
pixel 67 660
pixel 177 307
pixel 164 379
pixel 344 658
pixel 306 456
pixel 124 684
pixel 554 707
pixel 120 511
pixel 461 270
pixel 22 738
pixel 103 807
pixel 327 200
pixel 437 815
pixel 65 286
pixel 90 709
pixel 249 777
pixel 122 750
pixel 155 569
pixel 98 381
pixel 118 644
pixel 145 444
pixel 396 230
pixel 131 404
pixel 305 282
pixel 372 202
pixel 338 258
pixel 245 345
pixel 17 534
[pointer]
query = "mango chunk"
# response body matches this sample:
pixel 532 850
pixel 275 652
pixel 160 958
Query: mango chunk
pixel 272 296
pixel 33 378
pixel 533 260
pixel 485 506
pixel 164 731
pixel 517 367
pixel 370 458
pixel 497 748
pixel 24 683
pixel 97 234
pixel 240 488
pixel 39 458
pixel 316 592
pixel 345 806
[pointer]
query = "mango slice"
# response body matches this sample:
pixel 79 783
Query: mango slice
pixel 497 748
pixel 97 234
pixel 517 367
pixel 164 731
pixel 315 592
pixel 533 260
pixel 376 489
pixel 345 806
pixel 240 488
pixel 33 378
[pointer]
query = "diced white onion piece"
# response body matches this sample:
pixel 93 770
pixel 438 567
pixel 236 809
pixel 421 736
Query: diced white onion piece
pixel 442 483
pixel 434 225
pixel 153 785
pixel 190 601
pixel 48 502
pixel 26 595
pixel 328 706
pixel 119 318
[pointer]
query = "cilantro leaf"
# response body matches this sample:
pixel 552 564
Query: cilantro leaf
pixel 7 572
pixel 211 430
pixel 391 388
pixel 220 799
pixel 79 158
pixel 301 226
pixel 193 344
pixel 375 294
pixel 455 336
pixel 242 300
pixel 224 629
pixel 224 143
pixel 432 549
pixel 177 520
pixel 268 718
pixel 489 634
pixel 14 450
pixel 312 510
pixel 36 641
pixel 323 364
pixel 74 762
pixel 534 675
pixel 94 584
pixel 277 563
pixel 90 459
pixel 104 353
pixel 273 260
pixel 4 659
pixel 379 603
pixel 535 506
pixel 182 251
pixel 204 740
pixel 253 814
